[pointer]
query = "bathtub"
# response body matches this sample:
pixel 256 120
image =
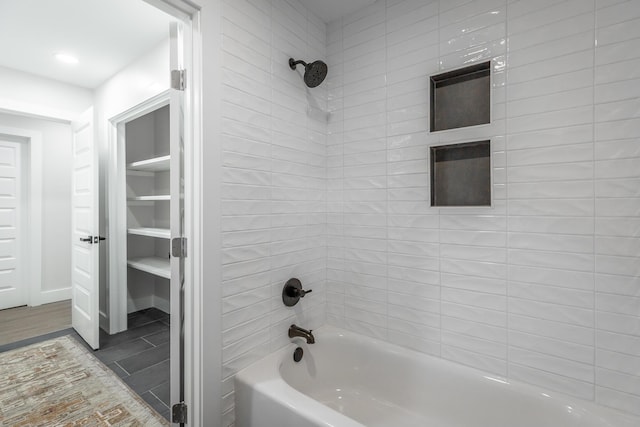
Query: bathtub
pixel 346 380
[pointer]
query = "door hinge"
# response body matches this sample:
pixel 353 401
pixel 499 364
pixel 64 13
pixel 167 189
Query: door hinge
pixel 179 247
pixel 179 413
pixel 178 79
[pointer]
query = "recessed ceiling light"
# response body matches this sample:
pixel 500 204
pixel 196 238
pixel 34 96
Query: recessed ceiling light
pixel 65 58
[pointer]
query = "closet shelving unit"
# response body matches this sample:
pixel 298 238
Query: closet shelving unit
pixel 148 202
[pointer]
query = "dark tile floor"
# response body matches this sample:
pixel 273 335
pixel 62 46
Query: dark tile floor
pixel 139 355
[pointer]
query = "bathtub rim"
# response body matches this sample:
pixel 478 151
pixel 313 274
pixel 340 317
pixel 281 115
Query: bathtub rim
pixel 264 377
pixel 268 379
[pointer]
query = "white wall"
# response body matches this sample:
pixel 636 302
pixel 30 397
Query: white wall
pixel 139 81
pixel 33 96
pixel 274 180
pixel 545 286
pixel 56 204
pixel 26 93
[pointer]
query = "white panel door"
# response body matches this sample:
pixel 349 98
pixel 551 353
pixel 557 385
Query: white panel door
pixel 13 290
pixel 84 229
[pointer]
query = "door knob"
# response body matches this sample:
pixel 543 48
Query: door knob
pixel 87 239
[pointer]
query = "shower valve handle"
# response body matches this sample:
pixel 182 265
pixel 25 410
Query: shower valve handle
pixel 302 292
pixel 292 292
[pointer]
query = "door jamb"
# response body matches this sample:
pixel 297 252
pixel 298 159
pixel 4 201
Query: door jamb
pixel 117 211
pixel 33 228
pixel 196 386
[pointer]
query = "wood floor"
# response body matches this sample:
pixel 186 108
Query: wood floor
pixel 20 323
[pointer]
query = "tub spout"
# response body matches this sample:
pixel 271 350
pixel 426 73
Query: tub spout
pixel 297 331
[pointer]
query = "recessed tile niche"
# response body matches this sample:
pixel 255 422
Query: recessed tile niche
pixel 461 174
pixel 461 98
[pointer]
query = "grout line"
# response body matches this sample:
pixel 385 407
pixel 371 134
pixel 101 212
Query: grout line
pixel 506 167
pixel 160 400
pixel 342 167
pixel 115 362
pixel 593 186
pixel 386 164
pixel 438 211
pixel 272 78
pixel 147 341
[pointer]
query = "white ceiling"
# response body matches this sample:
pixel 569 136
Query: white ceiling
pixel 105 36
pixel 330 10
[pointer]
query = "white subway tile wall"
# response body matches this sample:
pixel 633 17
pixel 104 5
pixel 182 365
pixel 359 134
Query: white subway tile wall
pixel 617 204
pixel 274 179
pixel 542 287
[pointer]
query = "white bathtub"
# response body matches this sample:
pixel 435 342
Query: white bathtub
pixel 345 380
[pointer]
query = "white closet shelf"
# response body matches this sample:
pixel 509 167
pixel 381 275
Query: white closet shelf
pixel 154 265
pixel 150 198
pixel 161 233
pixel 156 164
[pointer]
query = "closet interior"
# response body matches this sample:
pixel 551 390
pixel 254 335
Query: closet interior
pixel 148 201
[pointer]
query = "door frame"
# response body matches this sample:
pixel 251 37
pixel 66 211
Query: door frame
pixel 18 170
pixel 117 211
pixel 195 347
pixel 32 141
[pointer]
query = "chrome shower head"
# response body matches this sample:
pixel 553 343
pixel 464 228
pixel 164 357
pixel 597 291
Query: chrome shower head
pixel 314 73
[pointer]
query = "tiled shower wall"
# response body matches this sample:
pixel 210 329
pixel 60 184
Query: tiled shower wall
pixel 544 286
pixel 274 179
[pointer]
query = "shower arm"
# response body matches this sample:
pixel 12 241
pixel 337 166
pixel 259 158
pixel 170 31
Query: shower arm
pixel 293 63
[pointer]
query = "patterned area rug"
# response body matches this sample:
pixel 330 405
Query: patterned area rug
pixel 59 383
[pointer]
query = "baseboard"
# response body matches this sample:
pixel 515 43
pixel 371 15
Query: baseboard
pixel 104 322
pixel 162 304
pixel 137 304
pixel 151 301
pixel 47 297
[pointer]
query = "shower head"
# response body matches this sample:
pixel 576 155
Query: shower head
pixel 314 73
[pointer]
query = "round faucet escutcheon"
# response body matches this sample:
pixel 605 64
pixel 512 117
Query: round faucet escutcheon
pixel 292 292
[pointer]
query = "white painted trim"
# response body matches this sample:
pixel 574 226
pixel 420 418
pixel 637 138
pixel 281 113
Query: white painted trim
pixel 145 107
pixel 34 227
pixel 55 295
pixel 207 300
pixel 192 229
pixel 117 210
pixel 184 10
pixel 178 140
pixel 104 320
pixel 203 355
pixel 37 111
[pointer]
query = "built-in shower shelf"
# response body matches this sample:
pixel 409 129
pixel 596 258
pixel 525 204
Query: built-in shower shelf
pixel 156 164
pixel 160 233
pixel 154 265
